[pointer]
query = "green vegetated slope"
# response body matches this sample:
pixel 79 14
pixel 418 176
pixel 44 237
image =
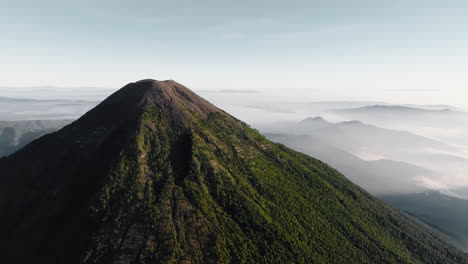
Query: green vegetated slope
pixel 155 174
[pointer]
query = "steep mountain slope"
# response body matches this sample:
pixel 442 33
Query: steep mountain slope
pixel 16 134
pixel 394 182
pixel 155 174
pixel 372 143
pixel 379 177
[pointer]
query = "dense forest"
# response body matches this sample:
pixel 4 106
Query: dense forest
pixel 155 174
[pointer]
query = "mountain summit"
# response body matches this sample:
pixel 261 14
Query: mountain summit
pixel 156 174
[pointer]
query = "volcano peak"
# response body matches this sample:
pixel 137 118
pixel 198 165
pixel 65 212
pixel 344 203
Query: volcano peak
pixel 156 174
pixel 173 96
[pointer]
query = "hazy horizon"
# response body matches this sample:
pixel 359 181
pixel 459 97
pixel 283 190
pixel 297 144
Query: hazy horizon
pixel 290 95
pixel 392 51
pixel 222 131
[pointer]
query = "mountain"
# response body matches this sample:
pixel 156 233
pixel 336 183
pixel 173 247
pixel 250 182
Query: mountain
pixel 314 123
pixel 398 183
pixel 16 134
pixel 14 109
pixel 445 124
pixel 447 214
pixel 156 174
pixel 370 142
pixel 364 140
pixel 461 193
pixel 379 177
pixel 395 109
pixel 433 107
pixel 353 135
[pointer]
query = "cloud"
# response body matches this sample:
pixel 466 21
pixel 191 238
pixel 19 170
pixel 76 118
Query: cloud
pixel 413 90
pixel 227 91
pixel 232 36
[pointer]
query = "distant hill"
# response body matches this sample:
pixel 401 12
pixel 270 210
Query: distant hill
pixel 394 183
pixel 314 123
pixel 440 123
pixel 356 136
pixel 434 107
pixel 15 109
pixel 156 174
pixel 16 134
pixel 379 177
pixel 445 213
pixel 28 100
pixel 395 109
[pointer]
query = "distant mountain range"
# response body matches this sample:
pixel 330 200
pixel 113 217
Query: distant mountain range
pixel 398 183
pixel 16 134
pixel 434 107
pixel 445 213
pixel 362 139
pixel 56 93
pixel 156 174
pixel 395 109
pixel 380 177
pixel 446 124
pixel 41 101
pixel 14 109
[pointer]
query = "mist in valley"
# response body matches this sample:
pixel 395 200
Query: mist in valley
pixel 338 131
pixel 413 156
pixel 431 138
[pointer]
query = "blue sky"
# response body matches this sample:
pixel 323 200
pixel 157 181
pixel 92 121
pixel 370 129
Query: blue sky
pixel 349 47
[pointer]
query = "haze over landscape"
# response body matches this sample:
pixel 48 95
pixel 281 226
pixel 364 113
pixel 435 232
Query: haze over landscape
pixel 373 92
